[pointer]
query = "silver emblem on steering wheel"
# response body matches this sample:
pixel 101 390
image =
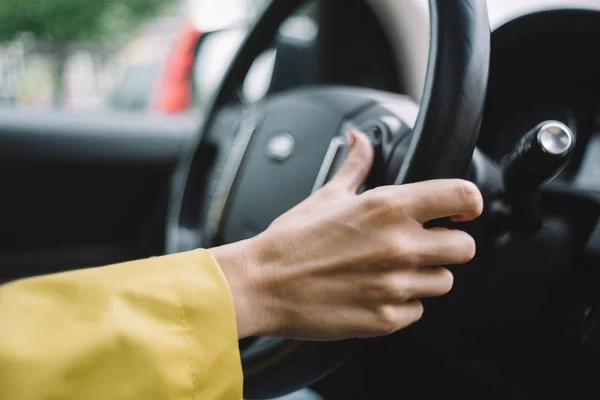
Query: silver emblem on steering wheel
pixel 280 146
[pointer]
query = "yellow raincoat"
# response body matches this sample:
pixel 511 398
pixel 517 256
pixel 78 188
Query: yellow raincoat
pixel 161 328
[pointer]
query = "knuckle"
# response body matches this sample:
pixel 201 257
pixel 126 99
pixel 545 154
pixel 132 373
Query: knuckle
pixel 382 289
pixel 371 201
pixel 404 252
pixel 390 288
pixel 393 248
pixel 391 319
pixel 378 201
pixel 470 197
pixel 388 320
pixel 412 257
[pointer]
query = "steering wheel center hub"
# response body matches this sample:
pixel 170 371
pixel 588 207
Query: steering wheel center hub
pixel 299 144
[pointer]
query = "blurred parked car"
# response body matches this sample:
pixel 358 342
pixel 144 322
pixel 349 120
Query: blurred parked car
pixel 174 88
pixel 197 60
pixel 164 82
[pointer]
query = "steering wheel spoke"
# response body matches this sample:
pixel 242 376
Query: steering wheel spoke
pixel 205 174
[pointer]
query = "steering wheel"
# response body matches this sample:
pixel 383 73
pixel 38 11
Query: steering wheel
pixel 252 162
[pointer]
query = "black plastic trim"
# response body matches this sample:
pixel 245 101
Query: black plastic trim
pixel 64 136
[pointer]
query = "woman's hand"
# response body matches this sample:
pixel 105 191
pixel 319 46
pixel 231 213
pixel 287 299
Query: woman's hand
pixel 343 265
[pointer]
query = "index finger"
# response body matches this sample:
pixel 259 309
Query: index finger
pixel 436 199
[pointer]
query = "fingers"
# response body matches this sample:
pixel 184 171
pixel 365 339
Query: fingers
pixel 445 198
pixel 431 282
pixel 439 246
pixel 356 167
pixel 397 297
pixel 429 200
pixel 389 319
pixel 421 247
pixel 398 286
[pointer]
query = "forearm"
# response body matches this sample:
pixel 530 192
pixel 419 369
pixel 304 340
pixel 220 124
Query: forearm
pixel 153 329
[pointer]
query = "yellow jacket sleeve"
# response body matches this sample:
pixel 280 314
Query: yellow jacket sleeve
pixel 161 328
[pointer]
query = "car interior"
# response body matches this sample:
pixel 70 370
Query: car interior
pixel 503 93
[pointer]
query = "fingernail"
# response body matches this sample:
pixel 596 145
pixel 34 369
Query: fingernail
pixel 350 138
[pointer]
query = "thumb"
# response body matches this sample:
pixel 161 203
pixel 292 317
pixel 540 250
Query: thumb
pixel 356 167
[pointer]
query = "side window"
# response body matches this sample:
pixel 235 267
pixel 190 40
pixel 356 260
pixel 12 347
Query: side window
pixel 134 56
pixel 81 54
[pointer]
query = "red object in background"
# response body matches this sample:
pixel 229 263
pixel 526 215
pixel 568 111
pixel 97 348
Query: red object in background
pixel 174 92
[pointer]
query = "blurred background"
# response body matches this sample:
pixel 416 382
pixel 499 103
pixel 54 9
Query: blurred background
pixel 135 55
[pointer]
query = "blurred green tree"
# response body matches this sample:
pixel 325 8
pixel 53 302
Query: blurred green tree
pixel 57 25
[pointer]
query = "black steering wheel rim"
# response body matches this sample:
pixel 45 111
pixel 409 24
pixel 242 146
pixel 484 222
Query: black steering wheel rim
pixel 443 142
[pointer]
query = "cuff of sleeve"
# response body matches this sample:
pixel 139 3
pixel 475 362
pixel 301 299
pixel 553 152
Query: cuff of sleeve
pixel 208 317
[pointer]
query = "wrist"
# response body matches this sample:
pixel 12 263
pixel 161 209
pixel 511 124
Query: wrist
pixel 242 269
